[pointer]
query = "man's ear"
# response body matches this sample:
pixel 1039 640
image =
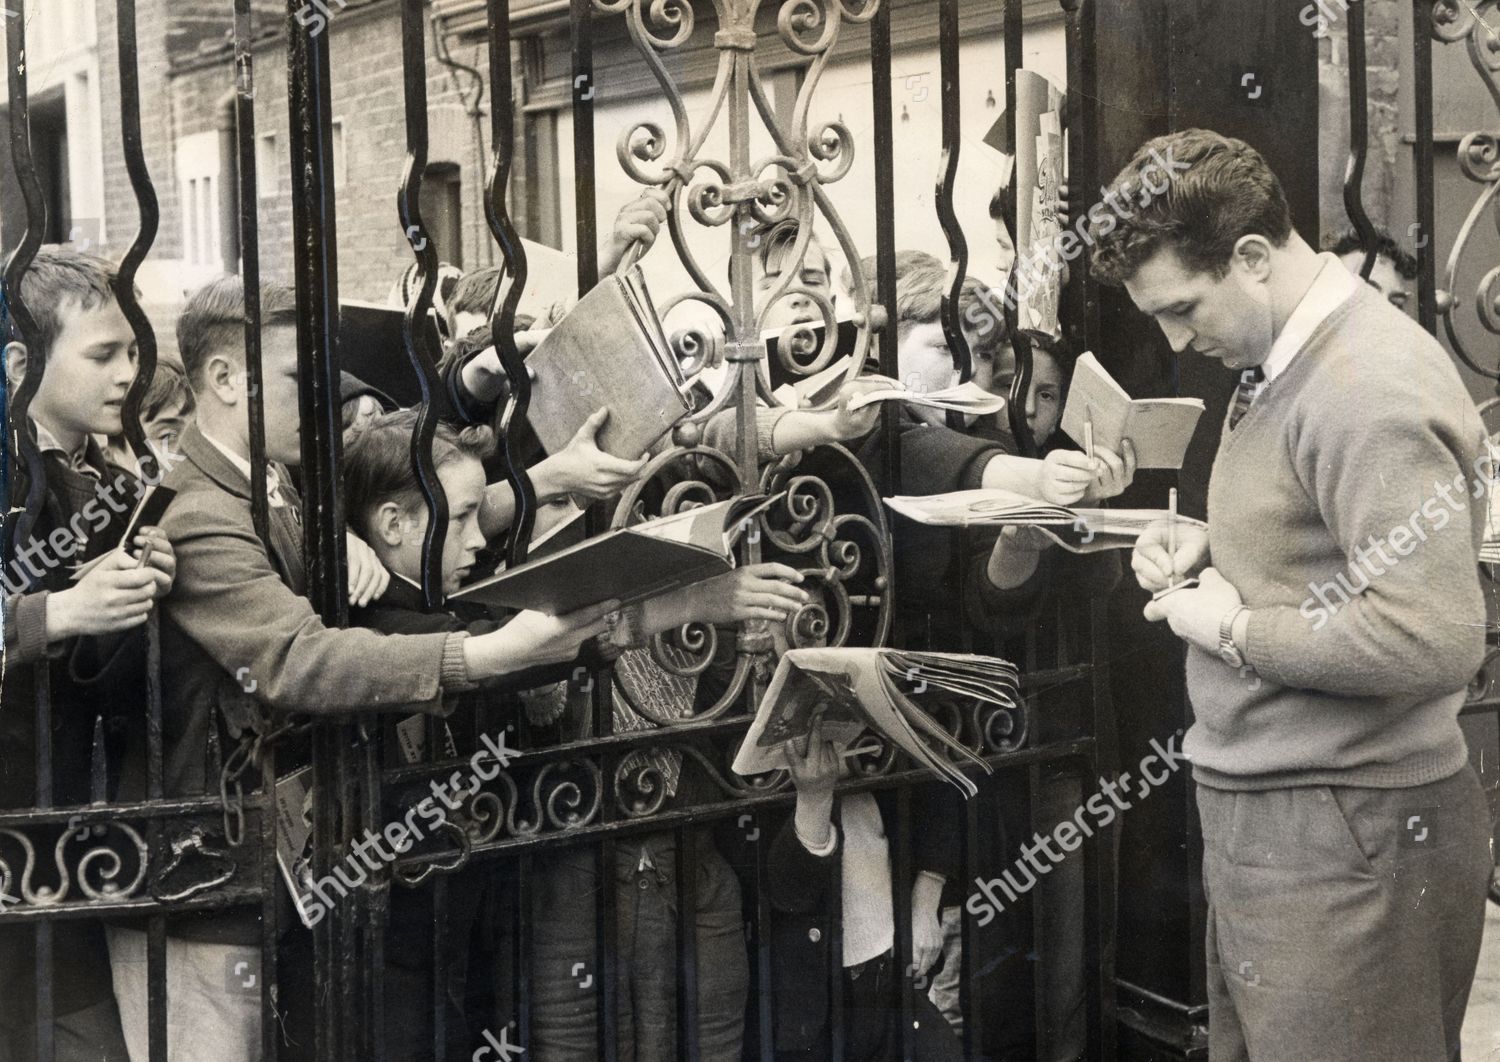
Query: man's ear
pixel 1252 258
pixel 15 365
pixel 387 525
pixel 222 378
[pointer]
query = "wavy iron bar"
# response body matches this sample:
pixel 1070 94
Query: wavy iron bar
pixel 1359 138
pixel 511 417
pixel 958 247
pixel 417 338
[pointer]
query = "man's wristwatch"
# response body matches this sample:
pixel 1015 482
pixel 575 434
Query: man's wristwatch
pixel 1228 651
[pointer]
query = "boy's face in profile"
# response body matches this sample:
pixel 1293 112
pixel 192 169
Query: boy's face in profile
pixel 463 482
pixel 88 371
pixel 1384 278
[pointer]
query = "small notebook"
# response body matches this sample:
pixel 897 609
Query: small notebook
pixel 1159 428
pixel 610 350
pixel 627 564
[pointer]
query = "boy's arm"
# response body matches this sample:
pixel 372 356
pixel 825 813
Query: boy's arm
pixel 25 628
pixel 797 880
pixel 231 601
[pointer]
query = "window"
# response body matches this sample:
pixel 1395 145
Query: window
pixel 198 184
pixel 268 165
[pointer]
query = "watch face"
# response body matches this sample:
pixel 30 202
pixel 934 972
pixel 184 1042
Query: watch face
pixel 1230 655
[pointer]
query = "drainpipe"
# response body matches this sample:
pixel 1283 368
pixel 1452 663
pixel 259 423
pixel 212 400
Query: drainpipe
pixel 229 182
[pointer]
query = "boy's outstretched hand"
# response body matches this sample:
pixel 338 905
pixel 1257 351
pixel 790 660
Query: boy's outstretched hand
pixel 755 592
pixel 534 639
pixel 116 594
pixel 639 221
pixel 582 469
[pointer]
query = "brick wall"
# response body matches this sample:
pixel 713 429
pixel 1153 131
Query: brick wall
pixel 365 48
pixel 1383 45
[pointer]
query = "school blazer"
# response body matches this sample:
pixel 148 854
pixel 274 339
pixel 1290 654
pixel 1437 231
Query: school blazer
pixel 239 639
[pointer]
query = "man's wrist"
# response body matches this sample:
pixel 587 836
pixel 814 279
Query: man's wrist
pixel 1240 632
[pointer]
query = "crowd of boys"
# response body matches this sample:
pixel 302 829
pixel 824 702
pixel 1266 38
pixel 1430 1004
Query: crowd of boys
pixel 241 647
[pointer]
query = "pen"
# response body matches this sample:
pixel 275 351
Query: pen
pixel 1172 530
pixel 145 557
pixel 1088 432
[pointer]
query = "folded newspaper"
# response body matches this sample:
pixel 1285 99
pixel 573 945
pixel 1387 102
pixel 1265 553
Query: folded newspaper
pixel 836 695
pixel 962 398
pixel 1076 530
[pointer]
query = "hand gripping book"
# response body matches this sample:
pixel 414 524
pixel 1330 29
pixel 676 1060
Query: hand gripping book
pixel 629 563
pixel 1075 530
pixel 836 695
pixel 1159 428
pixel 610 350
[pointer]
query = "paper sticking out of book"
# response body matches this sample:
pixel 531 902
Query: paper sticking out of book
pixel 1076 530
pixel 836 695
pixel 1159 428
pixel 963 398
pixel 294 842
pixel 627 564
pixel 610 350
pixel 1039 178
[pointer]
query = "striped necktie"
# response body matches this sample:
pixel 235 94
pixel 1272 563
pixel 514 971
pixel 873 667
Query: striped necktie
pixel 1244 394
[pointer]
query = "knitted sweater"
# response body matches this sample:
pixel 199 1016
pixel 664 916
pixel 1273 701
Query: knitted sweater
pixel 1341 509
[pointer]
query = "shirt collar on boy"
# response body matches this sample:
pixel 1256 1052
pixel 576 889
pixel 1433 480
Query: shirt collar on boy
pixel 273 484
pixel 77 460
pixel 1330 288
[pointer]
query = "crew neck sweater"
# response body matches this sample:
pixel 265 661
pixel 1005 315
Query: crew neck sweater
pixel 1342 508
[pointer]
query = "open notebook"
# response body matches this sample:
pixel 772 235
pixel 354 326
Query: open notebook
pixel 1076 530
pixel 627 564
pixel 836 695
pixel 610 350
pixel 1159 428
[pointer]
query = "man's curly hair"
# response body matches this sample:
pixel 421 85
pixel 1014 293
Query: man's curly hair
pixel 1223 192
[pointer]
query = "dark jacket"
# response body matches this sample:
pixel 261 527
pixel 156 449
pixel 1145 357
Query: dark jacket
pixel 804 905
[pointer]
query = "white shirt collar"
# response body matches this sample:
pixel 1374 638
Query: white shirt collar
pixel 1329 289
pixel 273 484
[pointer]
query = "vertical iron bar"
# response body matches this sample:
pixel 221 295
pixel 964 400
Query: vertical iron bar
pixel 415 334
pixel 606 919
pixel 885 238
pixel 316 273
pixel 765 1024
pixel 1020 384
pixel 1359 137
pixel 1421 38
pixel 1038 937
pixel 524 950
pixel 249 230
pixel 836 1015
pixel 512 417
pixel 1084 180
pixel 581 26
pixel 958 248
pixel 969 964
pixel 440 962
pixel 902 918
pixel 687 943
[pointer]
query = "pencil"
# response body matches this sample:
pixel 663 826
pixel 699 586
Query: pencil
pixel 1172 530
pixel 145 556
pixel 1088 432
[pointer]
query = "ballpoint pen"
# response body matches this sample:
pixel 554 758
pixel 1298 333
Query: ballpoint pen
pixel 1172 531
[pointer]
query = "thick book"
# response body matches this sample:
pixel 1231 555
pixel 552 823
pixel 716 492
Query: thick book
pixel 1159 428
pixel 836 695
pixel 1076 530
pixel 627 564
pixel 610 350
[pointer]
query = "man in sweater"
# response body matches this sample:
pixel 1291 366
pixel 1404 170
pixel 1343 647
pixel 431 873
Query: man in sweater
pixel 1336 623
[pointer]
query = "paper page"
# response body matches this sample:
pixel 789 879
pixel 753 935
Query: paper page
pixel 964 398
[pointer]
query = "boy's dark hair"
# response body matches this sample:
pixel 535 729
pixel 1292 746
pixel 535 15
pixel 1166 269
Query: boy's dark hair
pixel 213 321
pixel 473 293
pixel 1385 247
pixel 1225 191
pixel 774 242
pixel 57 276
pixel 921 283
pixel 169 387
pixel 377 461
